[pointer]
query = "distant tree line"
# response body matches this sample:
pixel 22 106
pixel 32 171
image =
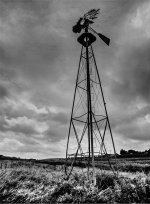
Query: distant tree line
pixel 134 153
pixel 2 157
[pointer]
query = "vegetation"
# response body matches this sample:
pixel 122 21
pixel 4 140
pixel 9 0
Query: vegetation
pixel 38 185
pixel 134 153
pixel 33 181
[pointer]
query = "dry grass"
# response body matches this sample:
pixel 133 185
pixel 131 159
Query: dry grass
pixel 38 185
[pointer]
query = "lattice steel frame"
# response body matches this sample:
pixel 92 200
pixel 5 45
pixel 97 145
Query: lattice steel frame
pixel 87 53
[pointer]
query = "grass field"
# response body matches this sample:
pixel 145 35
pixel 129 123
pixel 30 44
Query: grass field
pixel 124 164
pixel 47 184
pixel 30 182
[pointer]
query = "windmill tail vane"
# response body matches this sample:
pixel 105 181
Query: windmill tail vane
pixel 103 37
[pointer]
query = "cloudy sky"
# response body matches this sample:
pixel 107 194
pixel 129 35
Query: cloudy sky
pixel 38 64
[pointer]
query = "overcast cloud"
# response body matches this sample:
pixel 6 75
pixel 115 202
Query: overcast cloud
pixel 38 64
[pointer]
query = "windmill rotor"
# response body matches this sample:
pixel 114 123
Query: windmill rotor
pixel 92 14
pixel 87 19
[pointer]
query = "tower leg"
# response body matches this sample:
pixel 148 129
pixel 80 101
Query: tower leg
pixel 89 110
pixel 105 110
pixel 72 111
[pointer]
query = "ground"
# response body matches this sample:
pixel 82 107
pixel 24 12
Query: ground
pixel 36 183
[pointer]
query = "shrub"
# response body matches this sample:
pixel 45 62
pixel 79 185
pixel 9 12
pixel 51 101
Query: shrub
pixel 104 181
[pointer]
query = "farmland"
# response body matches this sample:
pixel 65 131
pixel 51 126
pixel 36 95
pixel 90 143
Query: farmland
pixel 140 164
pixel 33 182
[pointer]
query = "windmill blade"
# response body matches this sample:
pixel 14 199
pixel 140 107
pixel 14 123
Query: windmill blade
pixel 104 38
pixel 92 14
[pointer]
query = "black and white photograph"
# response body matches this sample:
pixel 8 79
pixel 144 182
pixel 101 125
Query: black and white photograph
pixel 74 101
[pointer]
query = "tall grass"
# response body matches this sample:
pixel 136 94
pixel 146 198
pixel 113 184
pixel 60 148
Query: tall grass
pixel 38 185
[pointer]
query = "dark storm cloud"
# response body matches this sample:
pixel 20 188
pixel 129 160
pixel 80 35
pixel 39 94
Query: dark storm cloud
pixel 23 111
pixel 35 6
pixel 34 44
pixel 61 118
pixel 56 133
pixel 38 65
pixel 32 48
pixel 128 79
pixel 7 74
pixel 135 131
pixel 24 129
pixel 17 128
pixel 27 140
pixel 134 73
pixel 132 123
pixel 30 148
pixel 3 124
pixel 128 115
pixel 3 92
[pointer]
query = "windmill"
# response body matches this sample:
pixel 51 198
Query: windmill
pixel 89 123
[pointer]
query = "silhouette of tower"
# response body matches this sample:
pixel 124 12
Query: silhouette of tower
pixel 89 129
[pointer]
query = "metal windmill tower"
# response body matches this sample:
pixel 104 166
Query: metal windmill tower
pixel 89 128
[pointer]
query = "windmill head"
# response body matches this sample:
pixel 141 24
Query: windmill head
pixel 84 21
